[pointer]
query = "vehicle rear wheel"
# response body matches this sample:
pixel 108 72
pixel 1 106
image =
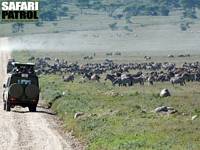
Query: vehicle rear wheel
pixel 7 106
pixel 32 108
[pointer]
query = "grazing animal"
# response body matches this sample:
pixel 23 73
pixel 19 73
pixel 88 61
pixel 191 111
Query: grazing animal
pixel 31 58
pixel 150 80
pixel 87 57
pixel 170 56
pixel 87 75
pixel 47 58
pixel 95 77
pixel 109 54
pixel 69 78
pixel 110 77
pixel 165 93
pixel 147 57
pixel 122 82
pixel 118 53
pixel 135 80
pixel 178 80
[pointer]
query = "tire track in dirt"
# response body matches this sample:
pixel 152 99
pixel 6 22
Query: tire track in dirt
pixel 7 131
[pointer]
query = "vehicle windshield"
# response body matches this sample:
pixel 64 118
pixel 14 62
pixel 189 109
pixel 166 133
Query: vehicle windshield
pixel 24 69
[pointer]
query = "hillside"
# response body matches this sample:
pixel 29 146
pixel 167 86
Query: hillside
pixel 113 25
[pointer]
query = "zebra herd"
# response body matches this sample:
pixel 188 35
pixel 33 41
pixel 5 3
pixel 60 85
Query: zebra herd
pixel 121 74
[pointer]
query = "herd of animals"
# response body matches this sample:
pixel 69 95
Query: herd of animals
pixel 121 74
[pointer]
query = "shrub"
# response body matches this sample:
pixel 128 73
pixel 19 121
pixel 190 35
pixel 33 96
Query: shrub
pixel 113 26
pixel 128 29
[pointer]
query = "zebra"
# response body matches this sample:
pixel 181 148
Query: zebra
pixel 178 80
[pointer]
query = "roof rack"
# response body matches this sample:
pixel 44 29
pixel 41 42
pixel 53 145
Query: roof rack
pixel 22 64
pixel 23 68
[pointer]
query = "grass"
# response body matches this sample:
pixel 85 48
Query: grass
pixel 121 118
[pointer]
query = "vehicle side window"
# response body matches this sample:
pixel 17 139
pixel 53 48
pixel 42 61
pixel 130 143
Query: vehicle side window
pixel 8 82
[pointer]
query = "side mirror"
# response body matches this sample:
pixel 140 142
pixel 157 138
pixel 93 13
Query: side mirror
pixel 4 85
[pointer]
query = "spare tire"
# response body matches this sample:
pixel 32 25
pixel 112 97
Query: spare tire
pixel 32 91
pixel 15 90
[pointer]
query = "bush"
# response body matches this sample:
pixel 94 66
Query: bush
pixel 113 26
pixel 188 13
pixel 184 26
pixel 128 29
pixel 72 17
pixel 39 23
pixel 164 11
pixel 48 15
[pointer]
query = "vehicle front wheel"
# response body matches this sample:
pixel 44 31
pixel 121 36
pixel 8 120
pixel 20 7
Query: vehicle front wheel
pixel 7 106
pixel 4 105
pixel 32 108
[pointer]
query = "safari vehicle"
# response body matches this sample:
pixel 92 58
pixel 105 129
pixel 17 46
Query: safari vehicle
pixel 22 87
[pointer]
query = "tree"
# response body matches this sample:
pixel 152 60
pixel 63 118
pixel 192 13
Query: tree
pixel 82 4
pixel 39 23
pixel 190 13
pixel 62 11
pixel 188 4
pixel 164 11
pixel 48 15
pixel 190 8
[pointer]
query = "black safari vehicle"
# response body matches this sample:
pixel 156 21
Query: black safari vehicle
pixel 22 87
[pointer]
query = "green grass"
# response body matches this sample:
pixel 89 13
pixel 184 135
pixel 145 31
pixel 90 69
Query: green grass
pixel 121 118
pixel 117 122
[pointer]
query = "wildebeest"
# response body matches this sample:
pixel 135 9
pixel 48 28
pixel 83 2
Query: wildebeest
pixel 147 57
pixel 47 58
pixel 109 54
pixel 110 77
pixel 170 56
pixel 31 58
pixel 122 82
pixel 186 55
pixel 87 57
pixel 118 53
pixel 135 80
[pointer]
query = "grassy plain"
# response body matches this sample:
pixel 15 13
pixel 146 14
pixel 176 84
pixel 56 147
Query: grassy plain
pixel 122 118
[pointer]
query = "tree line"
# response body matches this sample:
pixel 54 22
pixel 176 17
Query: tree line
pixel 51 10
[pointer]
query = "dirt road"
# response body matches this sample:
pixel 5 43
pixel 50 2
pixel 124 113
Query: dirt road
pixel 22 130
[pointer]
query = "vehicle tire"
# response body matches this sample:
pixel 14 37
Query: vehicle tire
pixel 4 105
pixel 7 106
pixel 32 108
pixel 32 91
pixel 16 90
